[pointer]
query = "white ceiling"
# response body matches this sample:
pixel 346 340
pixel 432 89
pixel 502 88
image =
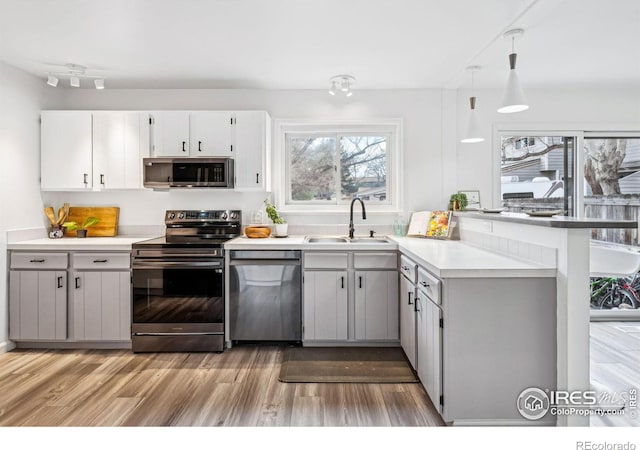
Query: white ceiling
pixel 300 44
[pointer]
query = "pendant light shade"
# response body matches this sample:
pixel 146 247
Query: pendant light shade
pixel 472 133
pixel 513 99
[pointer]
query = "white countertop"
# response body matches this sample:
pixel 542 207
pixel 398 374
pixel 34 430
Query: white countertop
pixel 117 243
pixel 444 258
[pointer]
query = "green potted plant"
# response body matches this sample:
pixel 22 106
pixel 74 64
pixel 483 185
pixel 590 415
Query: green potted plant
pixel 280 224
pixel 458 202
pixel 82 229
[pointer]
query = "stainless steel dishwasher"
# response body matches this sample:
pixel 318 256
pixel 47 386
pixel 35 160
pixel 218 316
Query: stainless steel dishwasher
pixel 265 295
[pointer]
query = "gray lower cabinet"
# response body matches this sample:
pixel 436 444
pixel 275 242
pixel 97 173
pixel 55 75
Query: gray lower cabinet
pixel 38 296
pixel 69 296
pixel 350 296
pixel 477 343
pixel 37 305
pixel 100 306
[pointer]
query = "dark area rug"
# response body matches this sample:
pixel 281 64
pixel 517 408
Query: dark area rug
pixel 346 365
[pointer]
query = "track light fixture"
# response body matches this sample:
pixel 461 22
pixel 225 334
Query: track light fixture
pixel 74 73
pixel 514 99
pixel 472 134
pixel 343 84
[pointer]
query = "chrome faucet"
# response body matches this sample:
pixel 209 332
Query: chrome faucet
pixel 364 215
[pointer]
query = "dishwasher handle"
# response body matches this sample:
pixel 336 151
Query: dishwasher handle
pixel 264 262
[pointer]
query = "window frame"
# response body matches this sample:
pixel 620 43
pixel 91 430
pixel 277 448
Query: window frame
pixel 392 128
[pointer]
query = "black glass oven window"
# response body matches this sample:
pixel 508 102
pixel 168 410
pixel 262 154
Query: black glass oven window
pixel 178 296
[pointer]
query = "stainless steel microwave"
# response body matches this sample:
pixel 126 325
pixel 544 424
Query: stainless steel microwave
pixel 165 173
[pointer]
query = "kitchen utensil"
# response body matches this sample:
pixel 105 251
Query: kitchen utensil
pixel 61 216
pixel 51 215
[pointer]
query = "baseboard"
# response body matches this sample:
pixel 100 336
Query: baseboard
pixel 350 344
pixel 6 346
pixel 89 345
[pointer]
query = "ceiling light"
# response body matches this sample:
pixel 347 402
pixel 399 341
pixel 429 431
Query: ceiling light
pixel 333 89
pixel 472 134
pixel 52 80
pixel 513 100
pixel 74 73
pixel 343 84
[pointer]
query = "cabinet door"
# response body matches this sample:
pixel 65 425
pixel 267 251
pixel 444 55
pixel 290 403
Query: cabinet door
pixel 170 135
pixel 325 305
pixel 252 143
pixel 66 149
pixel 37 305
pixel 376 302
pixel 434 353
pixel 424 348
pixel 210 133
pixel 408 320
pixel 118 143
pixel 101 308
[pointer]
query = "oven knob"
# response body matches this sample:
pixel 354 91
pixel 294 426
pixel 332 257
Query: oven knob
pixel 223 216
pixel 171 216
pixel 234 215
pixel 181 215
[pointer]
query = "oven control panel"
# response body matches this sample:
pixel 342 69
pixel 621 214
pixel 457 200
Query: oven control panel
pixel 202 216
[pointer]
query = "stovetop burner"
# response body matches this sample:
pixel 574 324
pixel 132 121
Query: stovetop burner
pixel 196 228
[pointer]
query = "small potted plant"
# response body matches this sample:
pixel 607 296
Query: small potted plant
pixel 82 229
pixel 458 202
pixel 278 221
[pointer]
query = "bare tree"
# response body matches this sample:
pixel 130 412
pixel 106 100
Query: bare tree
pixel 603 159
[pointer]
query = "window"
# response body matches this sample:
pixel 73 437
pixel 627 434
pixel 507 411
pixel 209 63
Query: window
pixel 326 166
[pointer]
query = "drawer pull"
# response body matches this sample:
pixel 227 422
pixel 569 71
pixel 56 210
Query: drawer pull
pixel 59 282
pixel 100 260
pixel 360 279
pixel 37 260
pixel 425 284
pixel 415 305
pixel 342 282
pixel 77 282
pixel 405 268
pixel 410 298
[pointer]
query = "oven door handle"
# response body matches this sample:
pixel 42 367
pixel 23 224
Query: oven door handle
pixel 177 265
pixel 175 334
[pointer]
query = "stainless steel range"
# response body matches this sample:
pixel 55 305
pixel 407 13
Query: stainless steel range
pixel 178 283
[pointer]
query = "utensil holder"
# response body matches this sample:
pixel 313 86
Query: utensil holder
pixel 56 231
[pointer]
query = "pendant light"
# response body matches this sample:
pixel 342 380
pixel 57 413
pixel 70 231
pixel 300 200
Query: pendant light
pixel 472 134
pixel 514 99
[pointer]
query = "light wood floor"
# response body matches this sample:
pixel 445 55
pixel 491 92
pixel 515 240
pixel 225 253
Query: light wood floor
pixel 615 366
pixel 239 387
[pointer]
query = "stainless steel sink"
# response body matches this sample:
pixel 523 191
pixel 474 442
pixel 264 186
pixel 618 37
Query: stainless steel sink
pixel 344 240
pixel 369 241
pixel 326 240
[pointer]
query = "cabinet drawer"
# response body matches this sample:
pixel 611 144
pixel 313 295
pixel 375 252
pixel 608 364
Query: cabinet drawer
pixel 326 260
pixel 375 260
pixel 408 268
pixel 429 284
pixel 39 260
pixel 101 261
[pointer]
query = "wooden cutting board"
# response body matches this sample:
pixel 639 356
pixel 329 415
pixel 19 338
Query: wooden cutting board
pixel 108 215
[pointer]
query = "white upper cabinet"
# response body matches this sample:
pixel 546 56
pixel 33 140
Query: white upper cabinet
pixel 93 150
pixel 66 150
pixel 118 147
pixel 252 148
pixel 170 133
pixel 210 133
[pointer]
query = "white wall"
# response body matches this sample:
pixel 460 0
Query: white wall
pixel 21 99
pixel 422 142
pixel 571 109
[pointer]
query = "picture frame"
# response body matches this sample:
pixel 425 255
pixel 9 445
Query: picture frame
pixel 473 199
